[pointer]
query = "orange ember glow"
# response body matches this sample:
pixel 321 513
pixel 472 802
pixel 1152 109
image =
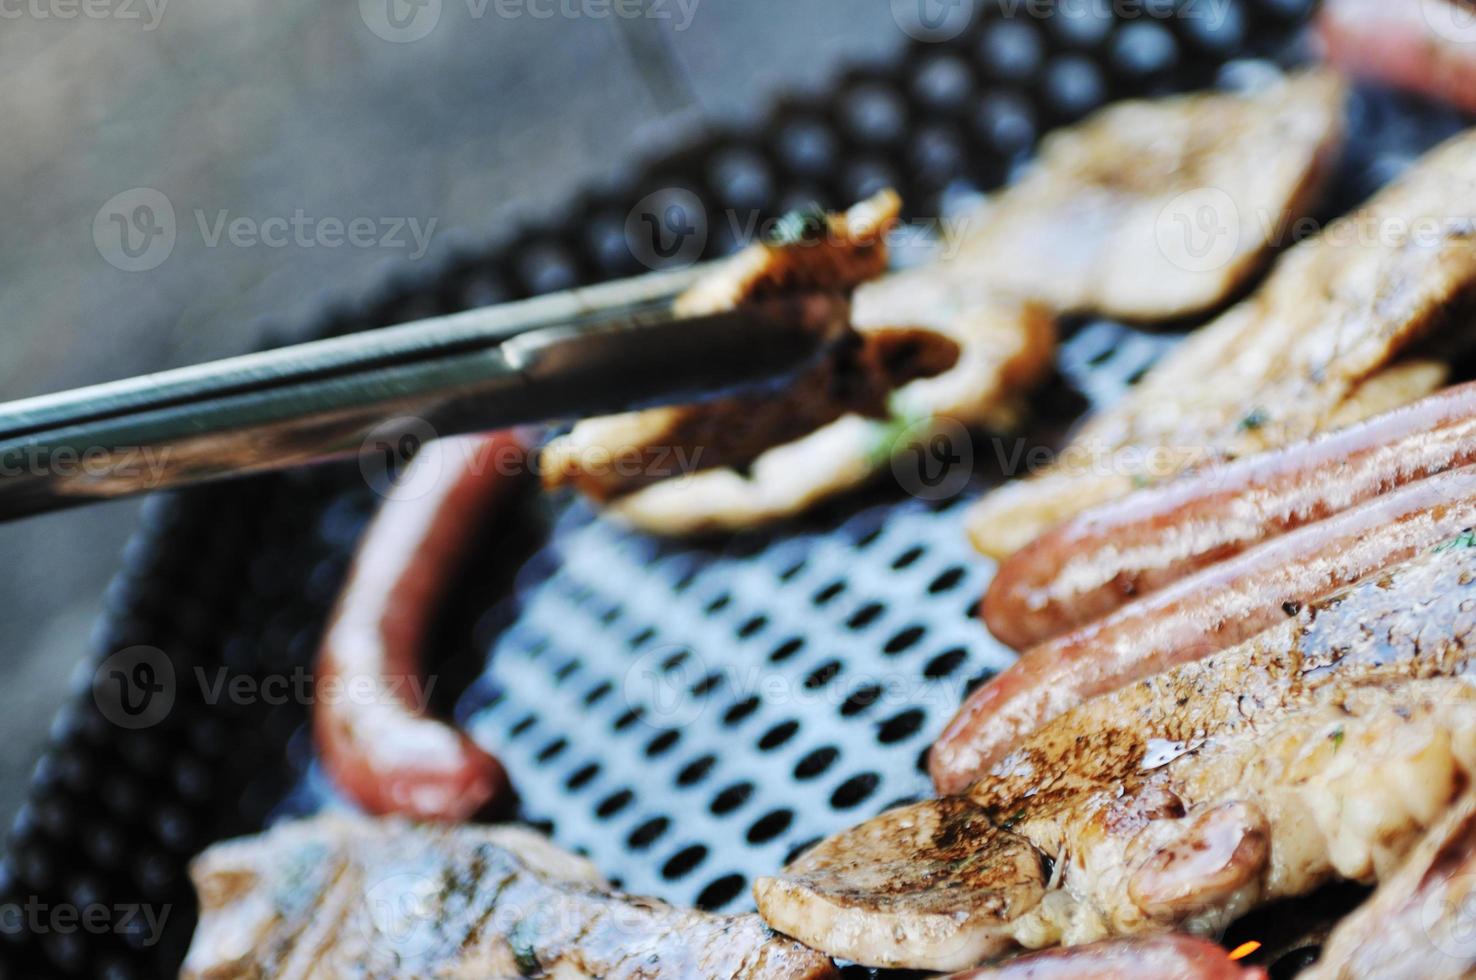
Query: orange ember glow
pixel 1244 949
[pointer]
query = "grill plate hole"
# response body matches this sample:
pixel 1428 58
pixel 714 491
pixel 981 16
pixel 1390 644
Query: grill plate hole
pixel 769 826
pixel 647 833
pixel 816 762
pixel 854 791
pixel 732 798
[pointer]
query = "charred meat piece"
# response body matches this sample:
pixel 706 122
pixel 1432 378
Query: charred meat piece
pixel 857 377
pixel 1423 45
pixel 1109 217
pixel 1321 749
pixel 337 897
pixel 1283 365
pixel 1418 923
pixel 932 347
pixel 1214 608
pixel 999 350
pixel 831 254
pixel 1151 958
pixel 1113 554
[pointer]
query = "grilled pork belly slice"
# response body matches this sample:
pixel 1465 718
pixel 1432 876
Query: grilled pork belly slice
pixel 1151 958
pixel 1321 748
pixel 931 348
pixel 339 897
pixel 1418 923
pixel 1288 362
pixel 1158 209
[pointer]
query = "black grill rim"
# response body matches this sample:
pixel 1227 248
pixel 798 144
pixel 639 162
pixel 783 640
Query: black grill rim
pixel 114 816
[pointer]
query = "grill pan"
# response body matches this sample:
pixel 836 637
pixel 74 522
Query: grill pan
pixel 688 714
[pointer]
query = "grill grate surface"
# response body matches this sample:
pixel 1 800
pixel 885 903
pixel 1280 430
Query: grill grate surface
pixel 701 790
pixel 688 715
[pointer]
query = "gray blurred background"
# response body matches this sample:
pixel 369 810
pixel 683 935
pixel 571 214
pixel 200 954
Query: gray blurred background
pixel 247 110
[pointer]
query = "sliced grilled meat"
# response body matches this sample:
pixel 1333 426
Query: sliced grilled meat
pixel 933 348
pixel 1320 749
pixel 999 350
pixel 1283 365
pixel 339 897
pixel 1157 209
pixel 1418 923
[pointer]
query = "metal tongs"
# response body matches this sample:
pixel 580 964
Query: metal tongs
pixel 585 352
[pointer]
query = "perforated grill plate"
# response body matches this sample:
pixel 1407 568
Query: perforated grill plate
pixel 819 658
pixel 690 716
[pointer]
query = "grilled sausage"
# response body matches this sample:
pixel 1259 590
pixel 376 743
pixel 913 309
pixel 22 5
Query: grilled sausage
pixel 1097 562
pixel 1170 957
pixel 1424 45
pixel 368 716
pixel 1212 609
